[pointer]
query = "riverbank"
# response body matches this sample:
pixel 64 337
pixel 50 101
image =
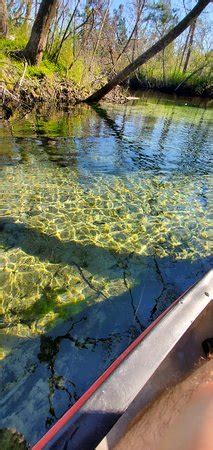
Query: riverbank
pixel 63 94
pixel 183 85
pixel 25 91
pixel 23 86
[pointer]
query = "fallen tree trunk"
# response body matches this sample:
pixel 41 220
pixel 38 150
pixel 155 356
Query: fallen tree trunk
pixel 152 51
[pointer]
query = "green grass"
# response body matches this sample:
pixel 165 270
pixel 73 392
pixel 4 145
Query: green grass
pixel 46 69
pixel 12 69
pixel 16 41
pixel 198 83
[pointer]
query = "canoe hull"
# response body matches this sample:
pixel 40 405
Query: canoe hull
pixel 159 357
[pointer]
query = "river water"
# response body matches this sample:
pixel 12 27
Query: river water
pixel 104 222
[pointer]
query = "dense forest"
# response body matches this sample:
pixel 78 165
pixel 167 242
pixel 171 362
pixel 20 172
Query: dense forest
pixel 155 44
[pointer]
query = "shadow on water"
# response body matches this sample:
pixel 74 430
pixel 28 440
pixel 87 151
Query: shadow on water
pixel 59 366
pixel 52 249
pixel 47 247
pixel 81 256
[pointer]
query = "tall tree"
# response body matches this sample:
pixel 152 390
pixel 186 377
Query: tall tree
pixel 152 51
pixel 138 7
pixel 164 19
pixel 29 5
pixel 3 18
pixel 36 45
pixel 191 38
pixel 99 35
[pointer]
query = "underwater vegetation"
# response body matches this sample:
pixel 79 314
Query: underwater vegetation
pixel 64 244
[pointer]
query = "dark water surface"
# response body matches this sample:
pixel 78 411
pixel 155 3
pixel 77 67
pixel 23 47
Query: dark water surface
pixel 105 221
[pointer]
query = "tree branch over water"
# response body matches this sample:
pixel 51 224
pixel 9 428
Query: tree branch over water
pixel 152 51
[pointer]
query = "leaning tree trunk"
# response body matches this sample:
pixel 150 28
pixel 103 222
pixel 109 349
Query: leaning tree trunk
pixel 36 45
pixel 3 18
pixel 152 51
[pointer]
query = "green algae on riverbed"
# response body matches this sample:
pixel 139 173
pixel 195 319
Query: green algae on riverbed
pixel 71 249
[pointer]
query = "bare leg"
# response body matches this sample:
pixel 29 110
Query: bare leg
pixel 180 419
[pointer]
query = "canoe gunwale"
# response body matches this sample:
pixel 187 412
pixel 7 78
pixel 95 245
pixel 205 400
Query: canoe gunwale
pixel 196 301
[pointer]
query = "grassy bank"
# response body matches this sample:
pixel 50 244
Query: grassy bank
pixel 178 83
pixel 197 80
pixel 63 82
pixel 25 85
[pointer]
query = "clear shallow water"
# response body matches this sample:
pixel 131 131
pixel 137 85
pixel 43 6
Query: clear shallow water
pixel 105 221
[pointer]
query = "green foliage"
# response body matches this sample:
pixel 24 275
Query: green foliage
pixel 77 71
pixel 151 74
pixel 45 69
pixel 66 54
pixel 16 40
pixel 200 83
pixel 66 65
pixel 163 14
